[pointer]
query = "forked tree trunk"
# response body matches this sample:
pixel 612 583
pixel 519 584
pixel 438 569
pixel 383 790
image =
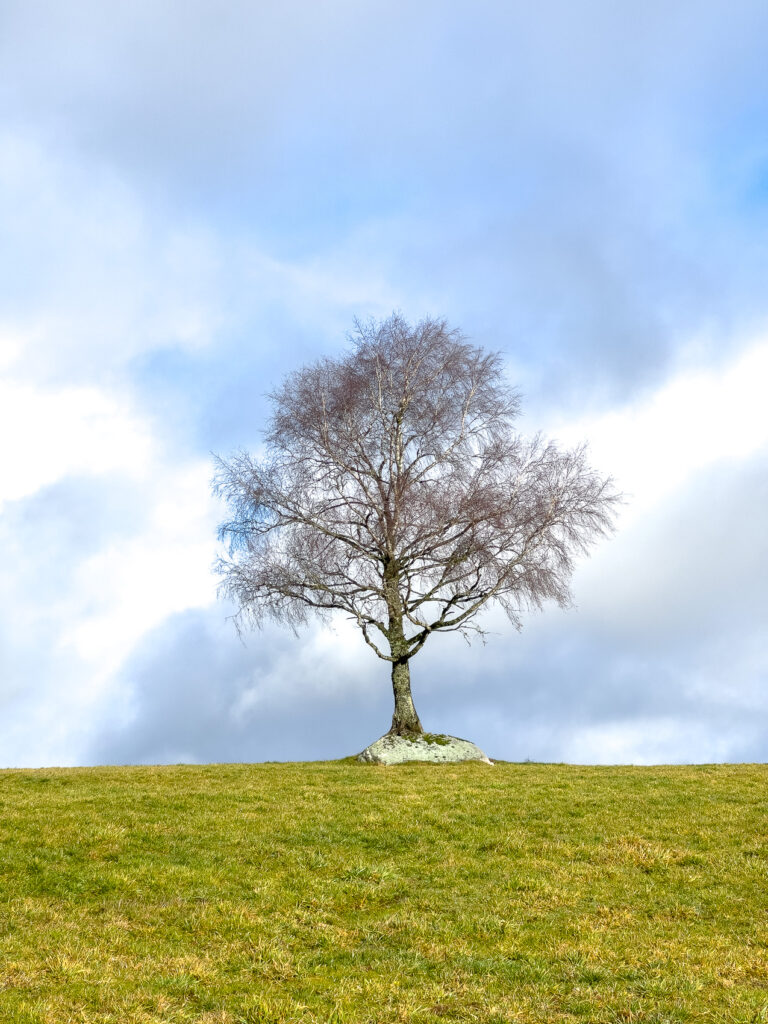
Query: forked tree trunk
pixel 405 721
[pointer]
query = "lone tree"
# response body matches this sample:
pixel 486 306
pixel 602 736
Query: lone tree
pixel 395 489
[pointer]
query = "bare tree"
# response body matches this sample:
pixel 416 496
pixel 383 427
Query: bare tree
pixel 395 489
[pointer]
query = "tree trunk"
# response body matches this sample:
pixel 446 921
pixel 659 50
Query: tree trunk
pixel 405 721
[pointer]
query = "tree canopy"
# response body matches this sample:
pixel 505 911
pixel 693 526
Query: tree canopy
pixel 395 489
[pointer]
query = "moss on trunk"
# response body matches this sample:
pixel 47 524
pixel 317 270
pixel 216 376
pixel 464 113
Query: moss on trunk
pixel 405 721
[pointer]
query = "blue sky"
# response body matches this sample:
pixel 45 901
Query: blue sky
pixel 196 199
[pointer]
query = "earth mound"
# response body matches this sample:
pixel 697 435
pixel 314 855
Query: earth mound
pixel 391 749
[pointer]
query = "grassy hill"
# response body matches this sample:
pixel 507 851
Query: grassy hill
pixel 341 892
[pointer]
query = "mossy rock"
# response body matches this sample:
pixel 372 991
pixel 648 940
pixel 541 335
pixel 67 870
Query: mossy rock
pixel 438 737
pixel 435 747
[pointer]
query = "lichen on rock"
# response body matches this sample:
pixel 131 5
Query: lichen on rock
pixel 391 749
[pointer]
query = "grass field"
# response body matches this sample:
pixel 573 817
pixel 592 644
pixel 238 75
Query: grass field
pixel 341 892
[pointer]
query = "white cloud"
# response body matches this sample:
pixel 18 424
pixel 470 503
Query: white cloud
pixel 93 275
pixel 11 345
pixel 129 587
pixel 701 416
pixel 51 434
pixel 70 626
pixel 647 740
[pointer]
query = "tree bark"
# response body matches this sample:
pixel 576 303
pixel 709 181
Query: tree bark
pixel 405 721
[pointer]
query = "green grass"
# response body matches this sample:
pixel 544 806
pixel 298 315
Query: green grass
pixel 343 892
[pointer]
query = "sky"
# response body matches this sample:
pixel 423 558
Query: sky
pixel 198 198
